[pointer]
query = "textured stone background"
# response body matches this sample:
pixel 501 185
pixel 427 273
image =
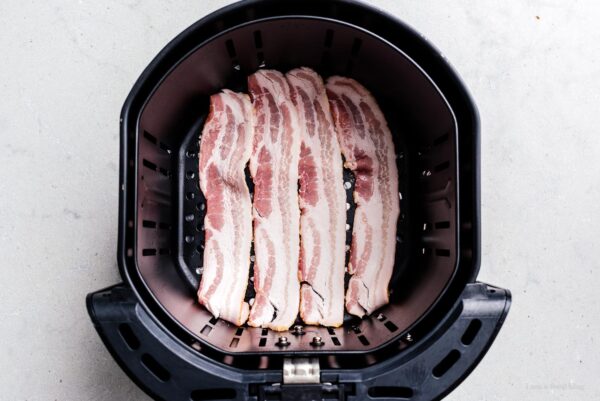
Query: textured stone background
pixel 533 68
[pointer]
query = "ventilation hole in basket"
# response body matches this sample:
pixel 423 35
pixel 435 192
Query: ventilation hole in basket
pixel 426 173
pixel 390 326
pixel 425 251
pixel 426 227
pixel 332 394
pixel 206 330
pixel 129 336
pixel 130 224
pixel 445 364
pixel 262 342
pixel 149 164
pixel 189 239
pixel 213 394
pixel 471 332
pixel 164 251
pixel 356 46
pixel 213 320
pixel 200 206
pixel 129 252
pixel 335 341
pixel 190 196
pixel 149 252
pixel 164 226
pixel 264 332
pixel 239 331
pixel 328 38
pixel 442 225
pixel 258 39
pixel 190 175
pixel 148 224
pixel 234 342
pixel 189 217
pixel 356 329
pixel 441 139
pixel 253 390
pixel 442 166
pixel 230 48
pixel 151 138
pixel 442 252
pixel 155 368
pixel 190 154
pixel 260 58
pixel 363 340
pixel 405 393
pixel 331 331
pixel 381 317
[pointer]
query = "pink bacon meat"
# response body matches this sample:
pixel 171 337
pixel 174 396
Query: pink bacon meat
pixel 274 168
pixel 224 152
pixel 367 145
pixel 322 204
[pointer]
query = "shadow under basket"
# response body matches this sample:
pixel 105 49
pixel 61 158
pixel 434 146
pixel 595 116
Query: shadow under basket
pixel 439 322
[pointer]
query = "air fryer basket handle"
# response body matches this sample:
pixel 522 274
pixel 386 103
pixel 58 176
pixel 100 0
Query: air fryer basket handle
pixel 438 363
pixel 162 366
pixel 427 370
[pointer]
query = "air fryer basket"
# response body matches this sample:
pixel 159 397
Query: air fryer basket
pixel 435 131
pixel 168 182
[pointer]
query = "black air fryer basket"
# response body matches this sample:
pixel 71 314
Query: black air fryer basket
pixel 440 321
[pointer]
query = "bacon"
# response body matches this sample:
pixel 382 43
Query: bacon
pixel 367 146
pixel 322 203
pixel 274 169
pixel 224 152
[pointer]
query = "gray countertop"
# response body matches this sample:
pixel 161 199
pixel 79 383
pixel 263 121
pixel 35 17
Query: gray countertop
pixel 533 68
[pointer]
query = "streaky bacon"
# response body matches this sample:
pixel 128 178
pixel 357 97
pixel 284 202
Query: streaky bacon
pixel 225 149
pixel 367 145
pixel 274 169
pixel 322 203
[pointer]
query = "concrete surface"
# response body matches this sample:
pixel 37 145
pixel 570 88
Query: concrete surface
pixel 533 68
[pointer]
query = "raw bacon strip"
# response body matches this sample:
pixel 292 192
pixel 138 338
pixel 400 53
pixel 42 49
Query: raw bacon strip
pixel 274 168
pixel 322 204
pixel 366 143
pixel 224 152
